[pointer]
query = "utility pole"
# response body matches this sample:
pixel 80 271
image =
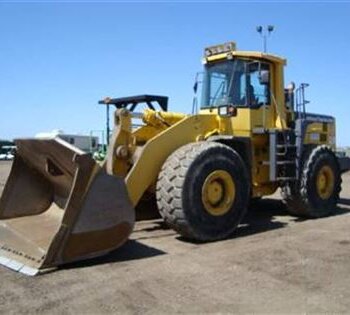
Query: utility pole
pixel 265 33
pixel 108 129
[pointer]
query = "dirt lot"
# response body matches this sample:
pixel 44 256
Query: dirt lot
pixel 273 263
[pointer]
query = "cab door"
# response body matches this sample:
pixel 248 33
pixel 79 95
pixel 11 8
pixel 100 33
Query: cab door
pixel 258 95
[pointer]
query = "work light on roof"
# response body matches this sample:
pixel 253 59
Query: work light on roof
pixel 219 49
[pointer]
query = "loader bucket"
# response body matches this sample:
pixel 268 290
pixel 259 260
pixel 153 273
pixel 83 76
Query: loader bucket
pixel 60 206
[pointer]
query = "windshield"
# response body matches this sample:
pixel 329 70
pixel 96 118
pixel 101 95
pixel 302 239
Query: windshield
pixel 234 82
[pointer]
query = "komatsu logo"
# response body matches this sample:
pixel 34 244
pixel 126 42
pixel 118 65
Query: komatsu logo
pixel 319 118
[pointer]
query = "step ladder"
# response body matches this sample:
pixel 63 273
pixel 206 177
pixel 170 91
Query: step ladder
pixel 283 160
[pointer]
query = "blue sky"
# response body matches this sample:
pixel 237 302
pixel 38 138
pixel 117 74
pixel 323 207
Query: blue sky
pixel 58 59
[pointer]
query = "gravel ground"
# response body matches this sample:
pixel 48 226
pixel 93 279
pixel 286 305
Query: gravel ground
pixel 274 263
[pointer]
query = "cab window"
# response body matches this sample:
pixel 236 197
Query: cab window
pixel 258 84
pixel 236 82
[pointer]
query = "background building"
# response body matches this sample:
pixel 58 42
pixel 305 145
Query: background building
pixel 87 143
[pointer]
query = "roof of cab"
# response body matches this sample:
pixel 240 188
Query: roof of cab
pixel 246 54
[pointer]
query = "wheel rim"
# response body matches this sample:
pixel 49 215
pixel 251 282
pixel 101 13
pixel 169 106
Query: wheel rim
pixel 325 182
pixel 218 193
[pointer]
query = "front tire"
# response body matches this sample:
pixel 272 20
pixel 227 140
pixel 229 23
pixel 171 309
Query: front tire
pixel 203 191
pixel 317 192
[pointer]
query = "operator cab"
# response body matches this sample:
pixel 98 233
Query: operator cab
pixel 234 80
pixel 237 82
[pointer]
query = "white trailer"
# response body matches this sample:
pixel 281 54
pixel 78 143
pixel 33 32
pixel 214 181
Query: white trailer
pixel 83 142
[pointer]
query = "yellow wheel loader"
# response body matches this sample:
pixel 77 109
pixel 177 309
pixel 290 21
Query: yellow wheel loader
pixel 250 137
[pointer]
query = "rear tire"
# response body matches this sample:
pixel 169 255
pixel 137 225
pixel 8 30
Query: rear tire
pixel 317 192
pixel 203 191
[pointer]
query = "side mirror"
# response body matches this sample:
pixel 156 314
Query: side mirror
pixel 197 81
pixel 195 87
pixel 264 77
